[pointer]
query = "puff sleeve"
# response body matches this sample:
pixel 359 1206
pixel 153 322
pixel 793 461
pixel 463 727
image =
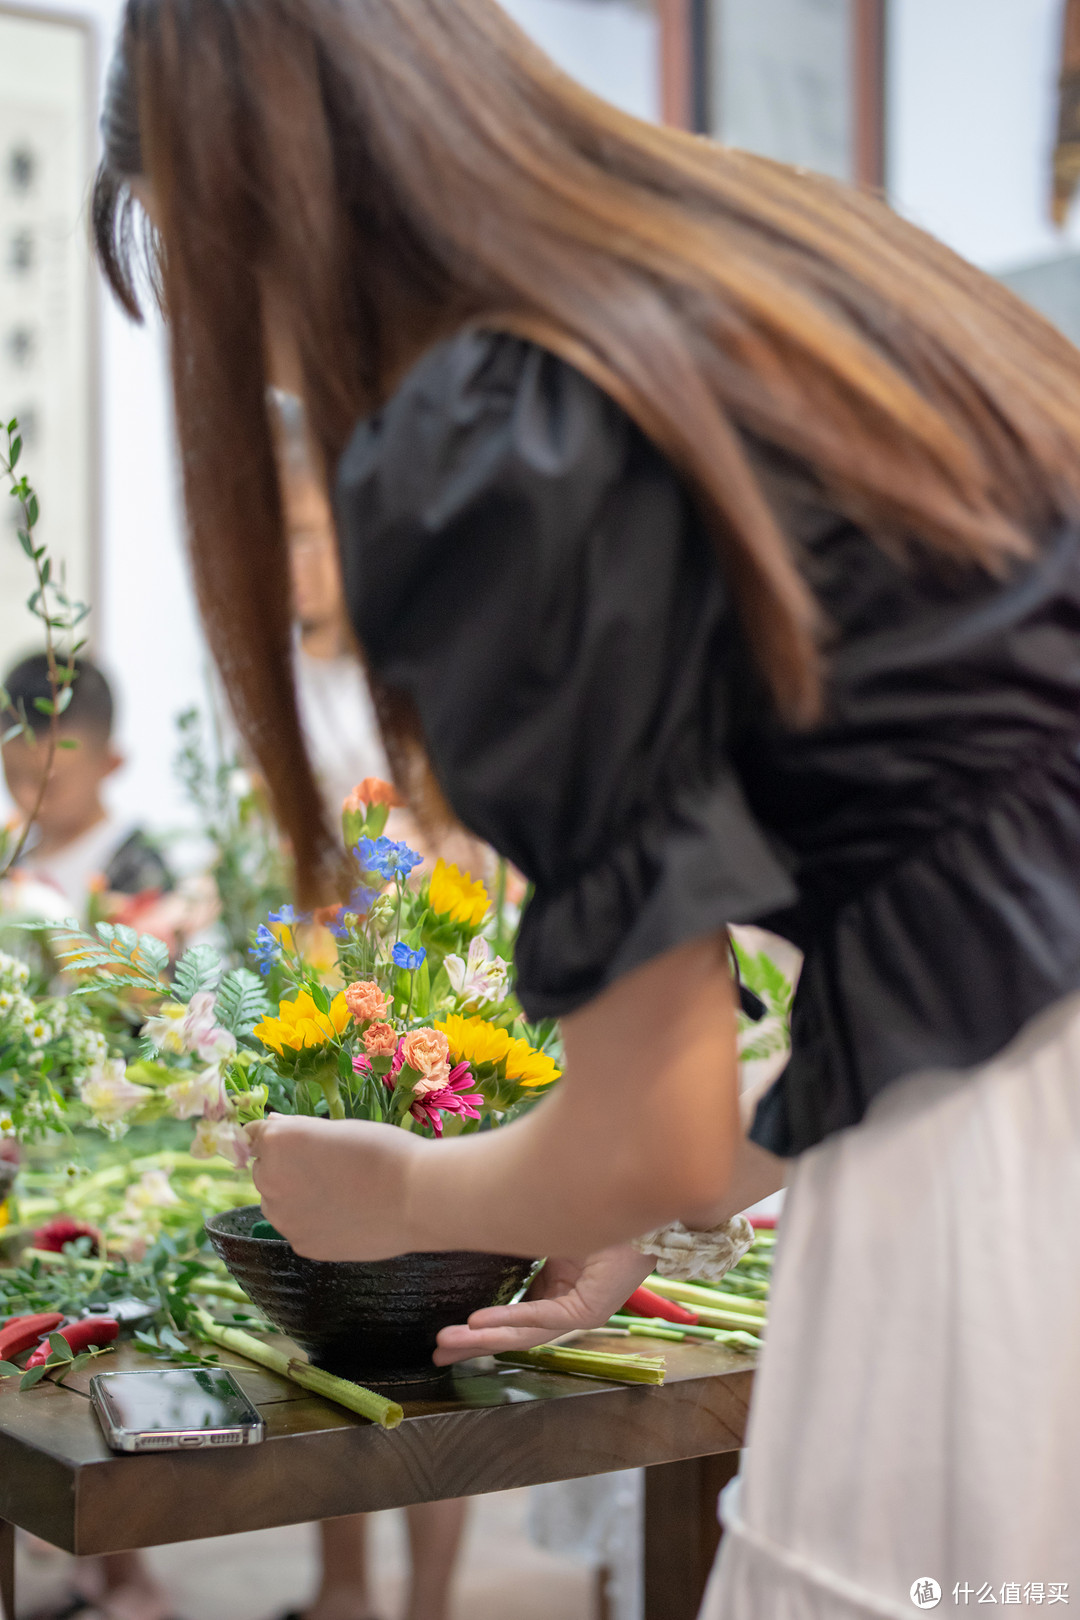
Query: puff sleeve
pixel 524 565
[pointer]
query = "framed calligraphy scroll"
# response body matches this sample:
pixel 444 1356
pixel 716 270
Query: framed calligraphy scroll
pixel 48 347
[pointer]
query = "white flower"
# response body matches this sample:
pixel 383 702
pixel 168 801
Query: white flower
pixel 166 1028
pixel 479 979
pixel 224 1136
pixel 201 1034
pixel 13 973
pixel 179 1029
pixel 40 1033
pixel 89 1046
pixel 200 1093
pixel 109 1094
pixel 153 1190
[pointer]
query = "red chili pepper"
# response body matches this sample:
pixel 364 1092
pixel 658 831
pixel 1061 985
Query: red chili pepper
pixel 23 1332
pixel 91 1332
pixel 643 1302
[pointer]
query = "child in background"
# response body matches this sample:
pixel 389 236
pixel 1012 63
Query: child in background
pixel 77 845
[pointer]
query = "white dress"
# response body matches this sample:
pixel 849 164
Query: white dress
pixel 916 1417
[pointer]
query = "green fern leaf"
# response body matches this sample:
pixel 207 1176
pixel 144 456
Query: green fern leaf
pixel 198 969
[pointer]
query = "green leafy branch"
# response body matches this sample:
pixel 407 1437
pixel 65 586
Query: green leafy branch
pixel 61 1355
pixel 761 974
pixel 59 616
pixel 113 954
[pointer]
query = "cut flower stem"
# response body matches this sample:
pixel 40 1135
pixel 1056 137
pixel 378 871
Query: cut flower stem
pixel 625 1369
pixel 219 1288
pixel 645 1327
pixel 707 1299
pixel 388 1414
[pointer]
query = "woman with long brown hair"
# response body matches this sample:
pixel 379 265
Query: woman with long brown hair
pixel 712 539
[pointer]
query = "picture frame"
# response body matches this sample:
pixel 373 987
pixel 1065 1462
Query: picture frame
pixel 798 80
pixel 49 339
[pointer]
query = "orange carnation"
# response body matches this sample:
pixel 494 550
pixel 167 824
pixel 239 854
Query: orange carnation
pixel 426 1050
pixel 381 1040
pixel 365 1000
pixel 372 790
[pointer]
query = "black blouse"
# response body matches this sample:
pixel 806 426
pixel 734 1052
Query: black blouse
pixel 525 565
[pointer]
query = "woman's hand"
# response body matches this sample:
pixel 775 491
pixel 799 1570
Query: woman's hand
pixel 335 1188
pixel 642 1130
pixel 567 1294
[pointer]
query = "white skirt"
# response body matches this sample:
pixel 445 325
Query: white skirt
pixel 916 1416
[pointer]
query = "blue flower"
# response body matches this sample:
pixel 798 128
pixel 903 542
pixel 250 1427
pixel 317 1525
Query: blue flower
pixel 361 900
pixel 288 918
pixel 402 859
pixel 403 957
pixel 267 948
pixel 336 924
pixel 388 859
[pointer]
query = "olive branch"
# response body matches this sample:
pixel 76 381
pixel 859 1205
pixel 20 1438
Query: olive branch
pixel 60 616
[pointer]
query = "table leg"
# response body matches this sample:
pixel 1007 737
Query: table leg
pixel 682 1532
pixel 7 1570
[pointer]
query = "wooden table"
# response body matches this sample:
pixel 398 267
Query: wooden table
pixel 501 1427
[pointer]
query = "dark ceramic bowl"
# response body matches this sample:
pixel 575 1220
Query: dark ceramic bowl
pixel 374 1321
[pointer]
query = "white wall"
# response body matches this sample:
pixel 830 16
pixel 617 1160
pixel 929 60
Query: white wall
pixel 971 107
pixel 612 46
pixel 146 634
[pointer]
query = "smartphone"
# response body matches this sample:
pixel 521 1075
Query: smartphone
pixel 174 1409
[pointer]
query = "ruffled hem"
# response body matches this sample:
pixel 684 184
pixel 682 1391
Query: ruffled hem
pixel 939 964
pixel 686 872
pixel 756 1580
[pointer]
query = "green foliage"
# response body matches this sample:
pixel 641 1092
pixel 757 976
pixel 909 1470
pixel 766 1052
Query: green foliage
pixel 113 953
pixel 177 1263
pixel 198 969
pixel 241 1002
pixel 772 1033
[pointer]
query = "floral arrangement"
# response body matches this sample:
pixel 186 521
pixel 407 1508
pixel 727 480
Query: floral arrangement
pixel 390 1006
pixel 49 1045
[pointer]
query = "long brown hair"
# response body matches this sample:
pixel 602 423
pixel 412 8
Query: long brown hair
pixel 397 169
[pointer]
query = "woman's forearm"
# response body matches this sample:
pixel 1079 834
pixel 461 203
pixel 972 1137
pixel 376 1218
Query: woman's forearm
pixel 755 1174
pixel 642 1130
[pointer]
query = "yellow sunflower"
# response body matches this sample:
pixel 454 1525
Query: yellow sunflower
pixel 457 895
pixel 300 1023
pixel 530 1067
pixel 474 1040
